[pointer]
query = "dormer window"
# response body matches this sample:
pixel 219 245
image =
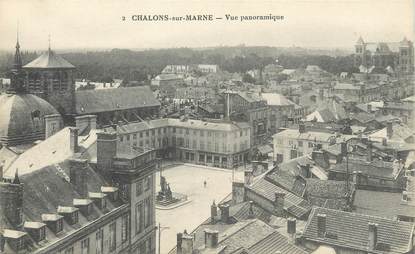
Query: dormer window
pixel 112 192
pixel 36 230
pixel 69 213
pixel 16 239
pixel 84 205
pixel 54 222
pixel 99 198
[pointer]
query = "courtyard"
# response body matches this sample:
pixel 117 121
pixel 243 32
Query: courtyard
pixel 189 179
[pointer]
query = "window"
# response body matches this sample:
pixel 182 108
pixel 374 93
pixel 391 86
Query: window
pixel 187 131
pixel 201 133
pixel 42 231
pixel 293 154
pixel 147 133
pixel 300 143
pixel 174 129
pixel 85 246
pixel 74 217
pixel 99 236
pixel 138 188
pixel 310 144
pixel 69 250
pixel 202 145
pixel 135 136
pixel 216 147
pixel 141 134
pixel 209 134
pixel 113 235
pixel 153 132
pixel 124 228
pixel 139 217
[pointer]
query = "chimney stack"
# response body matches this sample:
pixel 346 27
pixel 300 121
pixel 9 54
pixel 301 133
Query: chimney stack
pixel 343 148
pixel 251 213
pixel 11 201
pixel 369 108
pixel 224 213
pixel 389 130
pixel 301 128
pixel 248 177
pixel 187 244
pixel 1 171
pixel 404 196
pixel 213 212
pixel 73 139
pixel 78 175
pixel 384 142
pixel 179 243
pixel 238 192
pixel 279 199
pixel 291 226
pixel 106 149
pixel 373 235
pixel 321 225
pixel 305 170
pixel 211 238
pixel 86 123
pixel 369 151
pixel 53 123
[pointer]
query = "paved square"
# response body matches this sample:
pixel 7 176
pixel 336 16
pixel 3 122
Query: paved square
pixel 188 179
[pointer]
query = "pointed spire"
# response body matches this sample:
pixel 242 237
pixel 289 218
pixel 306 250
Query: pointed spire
pixel 49 43
pixel 17 65
pixel 360 40
pixel 16 179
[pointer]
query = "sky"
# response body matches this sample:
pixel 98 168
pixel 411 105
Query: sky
pixel 98 24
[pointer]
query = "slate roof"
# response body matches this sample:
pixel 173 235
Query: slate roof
pixel 373 203
pixel 293 204
pixel 49 60
pixel 96 101
pixel 350 230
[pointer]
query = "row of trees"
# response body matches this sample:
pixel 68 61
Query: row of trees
pixel 141 65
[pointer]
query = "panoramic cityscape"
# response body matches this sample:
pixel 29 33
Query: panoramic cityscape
pixel 208 150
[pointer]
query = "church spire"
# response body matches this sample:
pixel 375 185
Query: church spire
pixel 17 65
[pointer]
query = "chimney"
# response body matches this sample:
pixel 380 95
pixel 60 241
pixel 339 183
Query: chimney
pixel 321 225
pixel 211 238
pixel 384 142
pixel 389 130
pixel 305 170
pixel 404 196
pixel 11 201
pixel 106 149
pixel 187 244
pixel 78 175
pixel 279 199
pixel 291 226
pixel 343 148
pixel 369 151
pixel 179 243
pixel 248 177
pixel 369 108
pixel 53 124
pixel 373 235
pixel 301 128
pixel 357 175
pixel 251 213
pixel 1 171
pixel 213 212
pixel 86 123
pixel 238 192
pixel 224 213
pixel 73 143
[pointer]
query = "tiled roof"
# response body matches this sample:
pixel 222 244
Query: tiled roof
pixel 274 243
pixel 96 101
pixel 292 204
pixel 401 132
pixel 49 60
pixel 373 203
pixel 377 168
pixel 350 230
pixel 328 193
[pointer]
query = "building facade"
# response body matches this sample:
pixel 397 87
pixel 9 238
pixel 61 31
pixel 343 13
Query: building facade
pixel 219 144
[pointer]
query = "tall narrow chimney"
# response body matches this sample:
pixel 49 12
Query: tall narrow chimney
pixel 321 225
pixel 187 244
pixel 78 176
pixel 106 149
pixel 73 143
pixel 211 238
pixel 369 151
pixel 224 213
pixel 389 130
pixel 248 177
pixel 213 212
pixel 179 243
pixel 373 235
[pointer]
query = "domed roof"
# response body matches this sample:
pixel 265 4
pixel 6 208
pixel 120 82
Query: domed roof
pixel 22 118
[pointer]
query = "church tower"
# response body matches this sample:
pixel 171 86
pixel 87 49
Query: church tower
pixel 51 77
